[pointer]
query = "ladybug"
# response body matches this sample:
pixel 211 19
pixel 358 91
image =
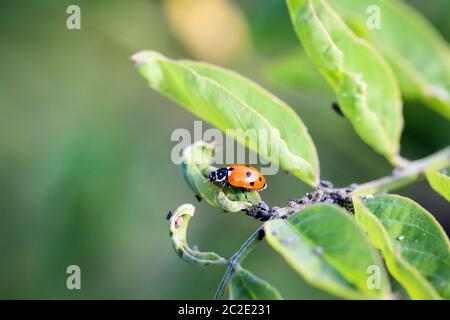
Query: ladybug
pixel 241 176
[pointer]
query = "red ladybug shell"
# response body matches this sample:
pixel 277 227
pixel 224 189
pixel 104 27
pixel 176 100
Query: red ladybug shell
pixel 243 176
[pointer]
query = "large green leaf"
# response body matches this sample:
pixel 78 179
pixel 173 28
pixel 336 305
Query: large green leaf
pixel 418 54
pixel 365 86
pixel 415 247
pixel 231 102
pixel 326 247
pixel 295 69
pixel 439 182
pixel 246 286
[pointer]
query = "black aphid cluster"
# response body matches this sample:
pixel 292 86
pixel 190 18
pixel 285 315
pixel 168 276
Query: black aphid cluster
pixel 261 211
pixel 340 197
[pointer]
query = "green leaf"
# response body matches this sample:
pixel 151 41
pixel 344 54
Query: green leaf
pixel 195 165
pixel 246 286
pixel 366 88
pixel 294 69
pixel 326 247
pixel 179 221
pixel 229 101
pixel 418 57
pixel 439 182
pixel 415 247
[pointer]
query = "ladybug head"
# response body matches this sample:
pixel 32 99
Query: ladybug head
pixel 218 175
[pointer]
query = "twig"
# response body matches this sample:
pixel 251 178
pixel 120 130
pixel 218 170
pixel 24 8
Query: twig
pixel 234 261
pixel 406 175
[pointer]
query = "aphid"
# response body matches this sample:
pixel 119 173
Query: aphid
pixel 326 184
pixel 292 203
pixel 260 211
pixel 351 187
pixel 261 234
pixel 335 106
pixel 241 176
pixel 318 251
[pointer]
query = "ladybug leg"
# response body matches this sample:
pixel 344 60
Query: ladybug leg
pixel 245 193
pixel 223 185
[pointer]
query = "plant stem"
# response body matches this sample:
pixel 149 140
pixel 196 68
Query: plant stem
pixel 234 261
pixel 406 175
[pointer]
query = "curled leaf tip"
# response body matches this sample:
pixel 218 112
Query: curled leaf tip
pixel 178 225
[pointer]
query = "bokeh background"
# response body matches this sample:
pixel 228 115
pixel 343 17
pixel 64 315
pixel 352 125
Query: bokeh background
pixel 85 170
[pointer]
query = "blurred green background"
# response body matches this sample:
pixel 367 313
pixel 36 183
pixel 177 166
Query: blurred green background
pixel 85 169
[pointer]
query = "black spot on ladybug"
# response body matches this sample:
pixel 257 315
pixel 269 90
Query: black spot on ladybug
pixel 248 174
pixel 260 178
pixel 252 183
